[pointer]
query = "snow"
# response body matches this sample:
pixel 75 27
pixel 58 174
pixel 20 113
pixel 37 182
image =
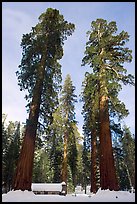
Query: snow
pixel 46 187
pixel 81 190
pixel 100 196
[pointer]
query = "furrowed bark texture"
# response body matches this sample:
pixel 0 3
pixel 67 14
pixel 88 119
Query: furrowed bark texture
pixel 108 177
pixel 23 174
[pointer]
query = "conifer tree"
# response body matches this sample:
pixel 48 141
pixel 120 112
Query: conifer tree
pixel 73 153
pixel 40 74
pixel 11 149
pixel 106 54
pixel 86 161
pixel 68 98
pixel 128 144
pixel 5 144
pixel 90 127
pixel 77 164
pixel 121 168
pixel 56 142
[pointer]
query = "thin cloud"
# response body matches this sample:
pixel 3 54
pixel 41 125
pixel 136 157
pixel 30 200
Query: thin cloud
pixel 15 23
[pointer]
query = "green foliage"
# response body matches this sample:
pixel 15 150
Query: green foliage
pixel 86 161
pixel 56 140
pixel 90 108
pixel 10 152
pixel 4 136
pixel 124 151
pixel 67 104
pixel 128 143
pixel 43 46
pixel 104 50
pixel 42 167
pixel 40 74
pixel 80 171
pixel 48 156
pixel 68 99
pixel 73 153
pixel 106 54
pixel 70 186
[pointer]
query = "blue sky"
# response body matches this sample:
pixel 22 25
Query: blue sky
pixel 19 17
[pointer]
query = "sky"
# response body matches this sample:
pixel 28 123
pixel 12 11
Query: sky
pixel 100 196
pixel 19 17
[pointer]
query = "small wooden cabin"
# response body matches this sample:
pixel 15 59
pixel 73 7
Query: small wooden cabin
pixel 49 188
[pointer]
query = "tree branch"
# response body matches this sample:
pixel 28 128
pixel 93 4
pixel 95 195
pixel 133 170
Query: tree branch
pixel 112 68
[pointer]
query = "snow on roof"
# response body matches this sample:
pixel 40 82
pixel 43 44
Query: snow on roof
pixel 63 183
pixel 46 186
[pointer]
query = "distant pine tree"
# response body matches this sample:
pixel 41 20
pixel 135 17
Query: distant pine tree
pixel 56 143
pixel 11 148
pixel 91 125
pixel 128 144
pixel 67 100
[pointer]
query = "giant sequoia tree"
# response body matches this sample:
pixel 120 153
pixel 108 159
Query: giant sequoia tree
pixel 106 54
pixel 40 74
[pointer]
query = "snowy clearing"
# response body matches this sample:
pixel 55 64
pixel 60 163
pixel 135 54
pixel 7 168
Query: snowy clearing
pixel 100 196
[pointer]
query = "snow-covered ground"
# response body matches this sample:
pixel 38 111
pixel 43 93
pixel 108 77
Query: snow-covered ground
pixel 100 196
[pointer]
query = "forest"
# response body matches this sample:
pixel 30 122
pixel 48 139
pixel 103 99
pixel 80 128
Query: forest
pixel 48 148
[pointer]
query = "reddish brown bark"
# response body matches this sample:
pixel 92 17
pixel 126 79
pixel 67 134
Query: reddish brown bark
pixel 93 162
pixel 23 174
pixel 108 179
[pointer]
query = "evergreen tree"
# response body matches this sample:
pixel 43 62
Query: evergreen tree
pixel 9 154
pixel 73 153
pixel 124 151
pixel 5 144
pixel 86 160
pixel 49 154
pixel 11 149
pixel 79 146
pixel 68 98
pixel 4 136
pixel 90 127
pixel 56 140
pixel 117 134
pixel 16 143
pixel 38 167
pixel 40 75
pixel 42 170
pixel 106 54
pixel 128 144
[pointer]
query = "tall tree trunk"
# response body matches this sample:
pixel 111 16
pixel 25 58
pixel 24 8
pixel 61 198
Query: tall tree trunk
pixel 130 173
pixel 64 165
pixel 65 160
pixel 93 162
pixel 108 179
pixel 74 179
pixel 23 174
